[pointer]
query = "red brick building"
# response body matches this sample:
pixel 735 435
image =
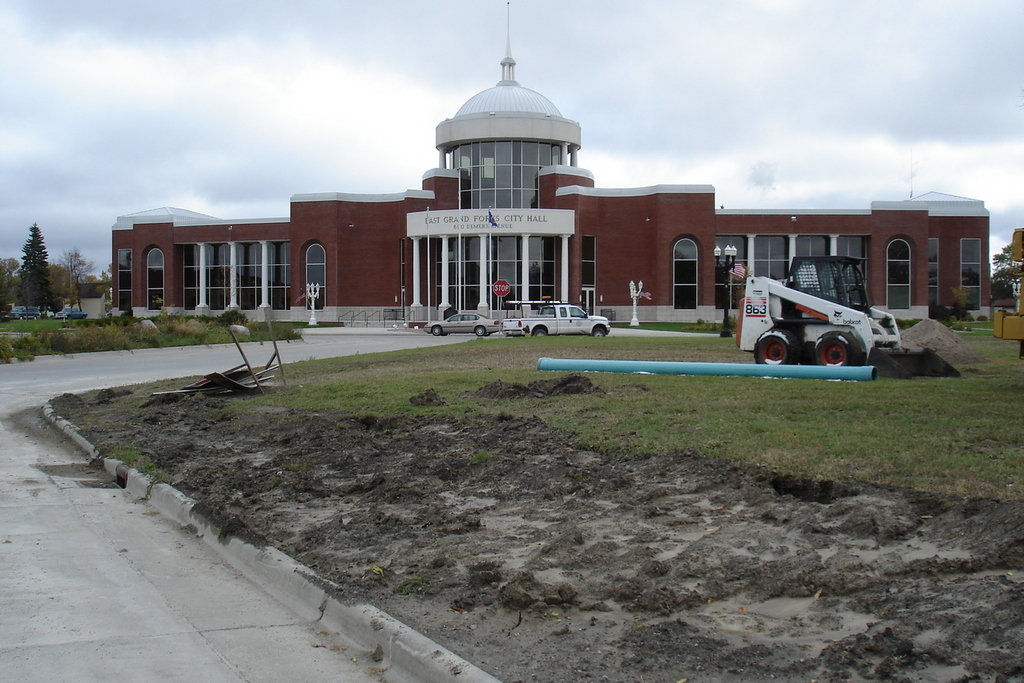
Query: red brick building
pixel 508 202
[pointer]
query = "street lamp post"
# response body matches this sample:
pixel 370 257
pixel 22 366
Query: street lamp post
pixel 312 294
pixel 723 264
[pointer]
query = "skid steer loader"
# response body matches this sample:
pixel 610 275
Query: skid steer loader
pixel 820 315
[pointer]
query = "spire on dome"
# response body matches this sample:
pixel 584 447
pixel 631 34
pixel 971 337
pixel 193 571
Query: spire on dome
pixel 508 65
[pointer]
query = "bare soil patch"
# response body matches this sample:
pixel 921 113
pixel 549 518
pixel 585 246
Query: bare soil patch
pixel 539 561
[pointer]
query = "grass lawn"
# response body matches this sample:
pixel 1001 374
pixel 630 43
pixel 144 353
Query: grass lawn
pixel 953 436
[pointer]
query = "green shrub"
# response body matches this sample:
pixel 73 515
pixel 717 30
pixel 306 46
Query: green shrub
pixel 232 317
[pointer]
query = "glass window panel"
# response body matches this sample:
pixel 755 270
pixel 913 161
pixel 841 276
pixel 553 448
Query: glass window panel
pixel 898 249
pixel 503 152
pixel 531 153
pixel 503 179
pixel 684 271
pixel 685 249
pixel 899 297
pixel 970 250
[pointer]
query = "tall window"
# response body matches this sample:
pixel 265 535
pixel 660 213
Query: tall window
pixel 503 173
pixel 218 275
pixel 588 271
pixel 280 274
pixel 505 257
pixel 811 245
pixel 897 256
pixel 588 258
pixel 684 275
pixel 190 275
pixel 771 258
pixel 155 280
pixel 542 268
pixel 970 270
pixel 933 271
pixel 851 245
pixel 464 272
pixel 250 275
pixel 316 271
pixel 124 280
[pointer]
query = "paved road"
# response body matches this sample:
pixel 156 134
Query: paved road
pixel 95 586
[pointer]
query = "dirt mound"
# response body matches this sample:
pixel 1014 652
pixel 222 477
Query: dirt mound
pixel 542 388
pixel 539 561
pixel 933 335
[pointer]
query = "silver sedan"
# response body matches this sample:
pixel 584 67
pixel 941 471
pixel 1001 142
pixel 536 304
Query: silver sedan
pixel 479 325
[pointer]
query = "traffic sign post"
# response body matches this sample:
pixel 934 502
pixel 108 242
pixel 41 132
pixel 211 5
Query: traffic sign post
pixel 501 288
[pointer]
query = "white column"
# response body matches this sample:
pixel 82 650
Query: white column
pixel 833 245
pixel 564 295
pixel 484 305
pixel 524 270
pixel 416 302
pixel 750 254
pixel 202 276
pixel 443 304
pixel 791 248
pixel 233 275
pixel 264 274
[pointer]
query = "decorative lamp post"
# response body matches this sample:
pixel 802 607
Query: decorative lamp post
pixel 634 293
pixel 312 293
pixel 723 264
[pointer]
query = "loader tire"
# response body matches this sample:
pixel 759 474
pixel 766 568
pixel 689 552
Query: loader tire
pixel 777 347
pixel 838 349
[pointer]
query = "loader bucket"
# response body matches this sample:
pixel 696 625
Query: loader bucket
pixel 908 363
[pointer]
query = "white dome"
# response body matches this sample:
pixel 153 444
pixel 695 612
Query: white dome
pixel 508 111
pixel 508 97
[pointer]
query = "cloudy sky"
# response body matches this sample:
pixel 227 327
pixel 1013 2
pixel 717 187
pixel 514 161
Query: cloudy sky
pixel 228 107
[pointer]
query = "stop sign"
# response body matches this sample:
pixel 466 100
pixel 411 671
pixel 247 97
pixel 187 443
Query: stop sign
pixel 501 288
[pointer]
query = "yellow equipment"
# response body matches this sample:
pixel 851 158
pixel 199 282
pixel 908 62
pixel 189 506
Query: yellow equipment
pixel 1011 325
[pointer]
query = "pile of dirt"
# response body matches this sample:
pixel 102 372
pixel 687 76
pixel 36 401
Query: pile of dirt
pixel 931 334
pixel 539 561
pixel 541 388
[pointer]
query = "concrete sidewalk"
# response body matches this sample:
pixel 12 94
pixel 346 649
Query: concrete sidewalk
pixel 97 586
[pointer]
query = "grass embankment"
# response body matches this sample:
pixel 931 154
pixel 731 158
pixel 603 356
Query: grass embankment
pixel 33 338
pixel 961 436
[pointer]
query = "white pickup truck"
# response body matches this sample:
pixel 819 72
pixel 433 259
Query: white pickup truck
pixel 555 318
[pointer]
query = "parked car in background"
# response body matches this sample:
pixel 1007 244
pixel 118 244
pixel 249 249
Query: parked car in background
pixel 25 313
pixel 68 313
pixel 479 325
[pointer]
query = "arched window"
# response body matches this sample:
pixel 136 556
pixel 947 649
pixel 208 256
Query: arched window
pixel 897 257
pixel 316 272
pixel 684 274
pixel 155 280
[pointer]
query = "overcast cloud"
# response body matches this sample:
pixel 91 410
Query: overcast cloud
pixel 228 108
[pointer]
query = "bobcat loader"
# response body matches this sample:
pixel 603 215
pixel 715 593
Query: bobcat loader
pixel 821 315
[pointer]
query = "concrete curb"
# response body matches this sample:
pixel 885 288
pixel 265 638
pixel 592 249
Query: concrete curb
pixel 402 649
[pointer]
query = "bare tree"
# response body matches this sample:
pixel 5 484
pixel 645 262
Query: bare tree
pixel 76 267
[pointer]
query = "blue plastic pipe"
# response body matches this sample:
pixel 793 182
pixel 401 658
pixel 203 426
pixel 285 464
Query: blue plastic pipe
pixel 861 373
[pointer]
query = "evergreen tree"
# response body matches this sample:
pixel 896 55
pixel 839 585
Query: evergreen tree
pixel 35 272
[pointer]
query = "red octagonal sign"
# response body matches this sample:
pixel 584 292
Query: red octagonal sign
pixel 501 288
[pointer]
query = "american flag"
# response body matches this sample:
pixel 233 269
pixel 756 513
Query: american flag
pixel 739 270
pixel 645 294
